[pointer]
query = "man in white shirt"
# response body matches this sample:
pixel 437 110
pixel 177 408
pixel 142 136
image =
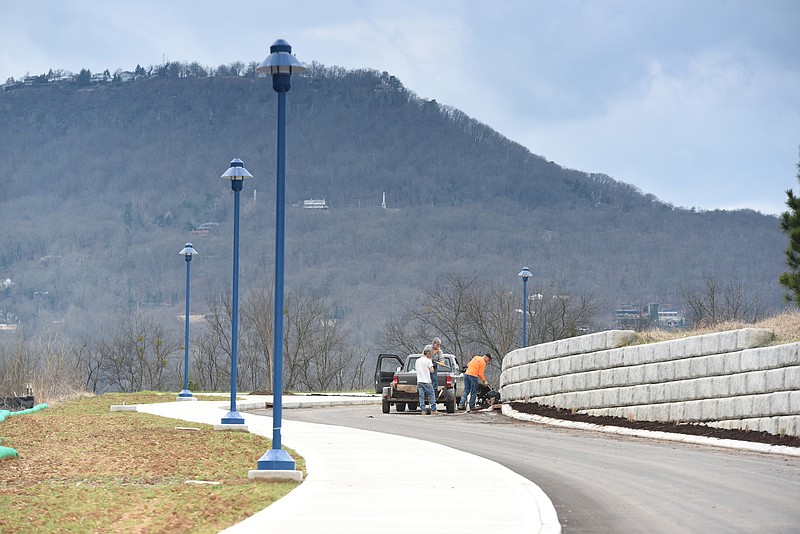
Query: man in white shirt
pixel 424 367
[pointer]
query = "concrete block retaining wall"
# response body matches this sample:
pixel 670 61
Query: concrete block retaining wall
pixel 727 379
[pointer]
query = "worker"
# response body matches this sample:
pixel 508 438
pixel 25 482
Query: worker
pixel 475 371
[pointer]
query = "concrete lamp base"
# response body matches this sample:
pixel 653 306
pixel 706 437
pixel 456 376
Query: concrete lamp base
pixel 123 407
pixel 179 398
pixel 231 427
pixel 268 474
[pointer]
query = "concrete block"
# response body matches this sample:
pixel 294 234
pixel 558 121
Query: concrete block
pixel 546 368
pixel 592 379
pixel 652 373
pixel 794 402
pixel 692 346
pixel 590 399
pixel 610 397
pixel 632 355
pixel 742 406
pixel 647 353
pixel 510 360
pixel 563 347
pixel 748 338
pixel 621 377
pixel 698 367
pixel 676 411
pixel 751 360
pixel 720 386
pixel 683 369
pixel 661 352
pixel 612 358
pixel 627 395
pixel 705 388
pixel 791 377
pixel 576 382
pixel 788 425
pixel 756 382
pixel 660 412
pixel 715 364
pixel 619 338
pixel 656 393
pixel 545 386
pixel 731 362
pixel 778 403
pixel 726 408
pixel 692 412
pixel 711 343
pixel 671 391
pixel 708 409
pixel 636 374
pixel 774 379
pixel 642 413
pixel 563 384
pixel 606 378
pixel 738 384
pixel 590 360
pixel 687 390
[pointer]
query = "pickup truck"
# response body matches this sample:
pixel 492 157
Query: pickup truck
pixel 396 380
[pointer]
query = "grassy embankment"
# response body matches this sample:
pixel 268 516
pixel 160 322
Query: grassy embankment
pixel 83 468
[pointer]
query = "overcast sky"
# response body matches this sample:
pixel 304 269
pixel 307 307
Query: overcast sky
pixel 696 101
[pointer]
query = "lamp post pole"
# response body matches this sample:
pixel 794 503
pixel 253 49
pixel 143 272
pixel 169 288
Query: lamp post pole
pixel 524 274
pixel 280 64
pixel 236 174
pixel 188 251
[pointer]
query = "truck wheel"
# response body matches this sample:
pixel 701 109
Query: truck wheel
pixel 400 406
pixel 450 406
pixel 412 406
pixel 385 406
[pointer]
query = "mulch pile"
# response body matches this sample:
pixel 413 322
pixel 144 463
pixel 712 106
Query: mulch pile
pixel 683 428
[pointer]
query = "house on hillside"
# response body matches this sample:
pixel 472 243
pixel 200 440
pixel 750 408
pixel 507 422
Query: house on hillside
pixel 649 316
pixel 313 204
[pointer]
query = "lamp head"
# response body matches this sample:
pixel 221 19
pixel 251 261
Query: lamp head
pixel 281 64
pixel 237 174
pixel 188 251
pixel 525 273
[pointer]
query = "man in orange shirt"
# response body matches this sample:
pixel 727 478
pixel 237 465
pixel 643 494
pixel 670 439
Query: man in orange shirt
pixel 475 370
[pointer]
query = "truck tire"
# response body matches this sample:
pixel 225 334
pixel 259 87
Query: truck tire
pixel 385 406
pixel 450 405
pixel 400 406
pixel 412 406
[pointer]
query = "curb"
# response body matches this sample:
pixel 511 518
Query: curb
pixel 665 436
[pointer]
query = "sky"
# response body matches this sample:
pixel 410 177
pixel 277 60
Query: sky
pixel 694 101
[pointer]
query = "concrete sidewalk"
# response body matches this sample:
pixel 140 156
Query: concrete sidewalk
pixel 360 481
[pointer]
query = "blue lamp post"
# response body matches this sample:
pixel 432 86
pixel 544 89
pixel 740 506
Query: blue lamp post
pixel 280 64
pixel 188 251
pixel 237 175
pixel 524 274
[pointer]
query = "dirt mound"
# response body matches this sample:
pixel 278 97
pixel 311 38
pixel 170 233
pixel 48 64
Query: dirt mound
pixel 683 428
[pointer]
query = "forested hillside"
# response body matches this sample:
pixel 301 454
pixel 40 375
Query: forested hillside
pixel 102 185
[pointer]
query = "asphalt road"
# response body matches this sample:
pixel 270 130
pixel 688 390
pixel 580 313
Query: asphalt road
pixel 603 483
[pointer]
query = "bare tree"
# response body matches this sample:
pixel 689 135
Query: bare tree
pixel 554 317
pixel 443 313
pixel 315 344
pixel 712 304
pixel 258 312
pixel 212 362
pixel 494 320
pixel 138 354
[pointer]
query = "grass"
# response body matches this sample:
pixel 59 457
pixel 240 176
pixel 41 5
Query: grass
pixel 785 327
pixel 83 468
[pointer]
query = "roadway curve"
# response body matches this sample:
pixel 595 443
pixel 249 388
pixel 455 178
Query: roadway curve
pixel 606 483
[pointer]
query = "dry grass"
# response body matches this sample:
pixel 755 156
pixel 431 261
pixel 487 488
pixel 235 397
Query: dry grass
pixel 83 468
pixel 785 327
